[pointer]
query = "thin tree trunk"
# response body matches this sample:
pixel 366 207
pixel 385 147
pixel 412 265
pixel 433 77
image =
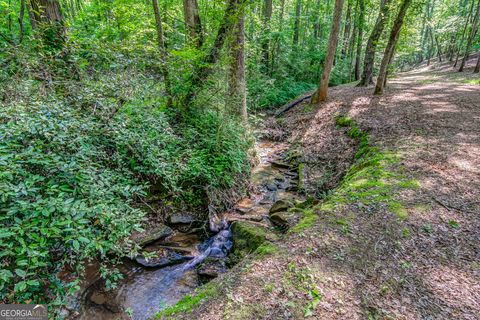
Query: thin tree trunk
pixel 470 12
pixel 372 44
pixel 296 27
pixel 193 22
pixel 346 31
pixel 316 26
pixel 163 52
pixel 439 50
pixel 471 37
pixel 477 66
pixel 361 22
pixel 267 16
pixel 322 92
pixel 237 96
pixel 389 50
pixel 20 21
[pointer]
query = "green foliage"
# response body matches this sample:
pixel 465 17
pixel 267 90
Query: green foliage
pixel 61 201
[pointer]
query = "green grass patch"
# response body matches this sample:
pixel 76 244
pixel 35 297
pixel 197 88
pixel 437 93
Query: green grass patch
pixel 472 81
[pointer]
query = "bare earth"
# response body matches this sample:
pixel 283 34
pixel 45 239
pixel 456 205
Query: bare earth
pixel 425 266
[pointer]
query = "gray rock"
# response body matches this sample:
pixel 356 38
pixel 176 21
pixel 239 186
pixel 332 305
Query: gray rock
pixel 169 260
pixel 183 218
pixel 160 231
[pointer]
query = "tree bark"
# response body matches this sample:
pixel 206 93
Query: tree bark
pixel 46 16
pixel 193 22
pixel 322 92
pixel 372 44
pixel 346 31
pixel 296 26
pixel 20 21
pixel 163 52
pixel 237 95
pixel 267 16
pixel 477 66
pixel 469 14
pixel 361 22
pixel 471 37
pixel 390 49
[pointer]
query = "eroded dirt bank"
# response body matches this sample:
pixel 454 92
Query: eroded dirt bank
pixel 399 238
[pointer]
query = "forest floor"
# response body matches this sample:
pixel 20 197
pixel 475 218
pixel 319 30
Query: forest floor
pixel 399 237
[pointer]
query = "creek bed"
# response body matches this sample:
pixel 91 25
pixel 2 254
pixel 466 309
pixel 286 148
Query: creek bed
pixel 147 289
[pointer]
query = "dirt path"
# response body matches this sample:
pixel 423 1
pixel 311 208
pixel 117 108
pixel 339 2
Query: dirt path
pixel 405 245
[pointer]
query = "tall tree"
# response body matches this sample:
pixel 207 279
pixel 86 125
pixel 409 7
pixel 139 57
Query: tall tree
pixel 296 26
pixel 372 44
pixel 267 16
pixel 462 38
pixel 237 95
pixel 193 22
pixel 163 52
pixel 390 49
pixel 471 37
pixel 322 91
pixel 361 22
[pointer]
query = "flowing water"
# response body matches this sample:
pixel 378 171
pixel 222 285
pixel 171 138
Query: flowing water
pixel 146 290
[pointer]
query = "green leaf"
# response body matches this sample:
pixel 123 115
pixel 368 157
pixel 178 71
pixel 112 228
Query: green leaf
pixel 21 286
pixel 76 245
pixel 21 273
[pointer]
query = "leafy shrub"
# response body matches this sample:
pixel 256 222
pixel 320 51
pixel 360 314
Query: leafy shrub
pixel 60 201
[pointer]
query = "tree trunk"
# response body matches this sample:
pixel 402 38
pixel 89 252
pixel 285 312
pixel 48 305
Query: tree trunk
pixel 439 49
pixel 193 22
pixel 470 12
pixel 477 66
pixel 296 27
pixel 205 67
pixel 372 44
pixel 163 52
pixel 46 16
pixel 471 37
pixel 346 31
pixel 316 26
pixel 389 50
pixel 267 16
pixel 237 95
pixel 322 92
pixel 20 21
pixel 361 22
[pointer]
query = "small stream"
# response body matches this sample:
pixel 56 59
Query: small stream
pixel 148 288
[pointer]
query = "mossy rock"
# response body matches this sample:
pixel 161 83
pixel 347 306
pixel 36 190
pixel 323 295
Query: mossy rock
pixel 247 237
pixel 280 205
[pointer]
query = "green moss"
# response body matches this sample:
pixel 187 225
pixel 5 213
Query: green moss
pixel 374 178
pixel 190 301
pixel 309 217
pixel 266 248
pixel 247 238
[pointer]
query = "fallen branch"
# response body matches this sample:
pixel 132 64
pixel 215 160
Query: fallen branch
pixel 293 103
